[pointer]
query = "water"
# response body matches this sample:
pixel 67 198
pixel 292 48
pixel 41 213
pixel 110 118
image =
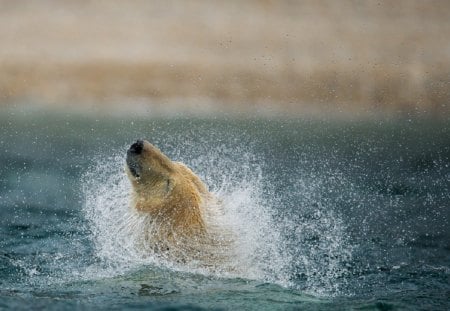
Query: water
pixel 328 214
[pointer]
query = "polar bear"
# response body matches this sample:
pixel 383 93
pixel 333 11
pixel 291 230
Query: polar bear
pixel 182 214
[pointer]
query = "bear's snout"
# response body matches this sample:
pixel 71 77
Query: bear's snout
pixel 137 147
pixel 132 158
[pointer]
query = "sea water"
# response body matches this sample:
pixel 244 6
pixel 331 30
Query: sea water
pixel 327 214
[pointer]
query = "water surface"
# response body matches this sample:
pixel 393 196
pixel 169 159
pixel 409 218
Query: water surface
pixel 331 215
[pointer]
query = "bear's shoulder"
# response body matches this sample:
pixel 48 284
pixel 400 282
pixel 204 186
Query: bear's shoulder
pixel 191 177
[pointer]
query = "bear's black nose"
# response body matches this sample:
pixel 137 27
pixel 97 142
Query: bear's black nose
pixel 137 147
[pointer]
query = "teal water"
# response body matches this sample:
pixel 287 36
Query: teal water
pixel 331 215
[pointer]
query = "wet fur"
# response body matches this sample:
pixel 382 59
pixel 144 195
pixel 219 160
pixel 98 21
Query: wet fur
pixel 181 214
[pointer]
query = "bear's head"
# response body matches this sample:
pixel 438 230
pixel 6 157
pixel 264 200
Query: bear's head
pixel 149 170
pixel 174 197
pixel 165 189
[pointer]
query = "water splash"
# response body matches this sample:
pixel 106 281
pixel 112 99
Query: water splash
pixel 305 248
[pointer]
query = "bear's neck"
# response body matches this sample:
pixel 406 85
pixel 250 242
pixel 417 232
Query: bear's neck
pixel 181 219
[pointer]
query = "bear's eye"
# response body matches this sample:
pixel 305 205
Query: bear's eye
pixel 168 185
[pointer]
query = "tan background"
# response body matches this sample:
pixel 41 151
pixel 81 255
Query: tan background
pixel 296 57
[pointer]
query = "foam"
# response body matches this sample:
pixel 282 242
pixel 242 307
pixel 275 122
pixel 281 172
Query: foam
pixel 271 246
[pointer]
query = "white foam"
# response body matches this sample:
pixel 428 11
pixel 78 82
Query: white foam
pixel 269 247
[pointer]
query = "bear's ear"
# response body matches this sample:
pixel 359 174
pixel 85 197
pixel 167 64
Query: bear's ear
pixel 169 186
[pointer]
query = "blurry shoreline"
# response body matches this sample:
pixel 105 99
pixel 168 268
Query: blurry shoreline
pixel 292 58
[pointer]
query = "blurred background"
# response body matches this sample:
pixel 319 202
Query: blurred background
pixel 296 58
pixel 322 126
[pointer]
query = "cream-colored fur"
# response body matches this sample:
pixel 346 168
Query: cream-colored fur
pixel 182 214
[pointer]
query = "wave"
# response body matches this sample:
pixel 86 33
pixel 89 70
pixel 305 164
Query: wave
pixel 303 246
